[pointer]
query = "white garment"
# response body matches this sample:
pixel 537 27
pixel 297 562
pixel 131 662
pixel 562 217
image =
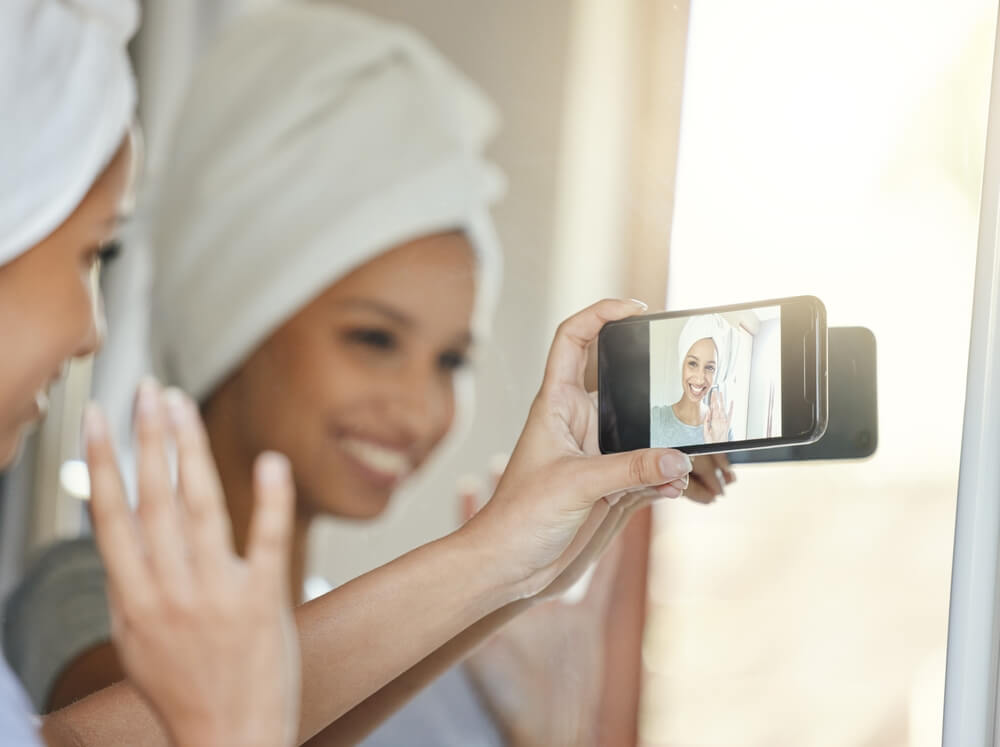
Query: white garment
pixel 313 139
pixel 67 96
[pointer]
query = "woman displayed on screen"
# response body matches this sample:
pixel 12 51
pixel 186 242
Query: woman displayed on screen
pixel 700 416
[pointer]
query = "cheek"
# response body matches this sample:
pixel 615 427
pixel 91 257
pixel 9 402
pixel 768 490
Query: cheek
pixel 449 409
pixel 41 332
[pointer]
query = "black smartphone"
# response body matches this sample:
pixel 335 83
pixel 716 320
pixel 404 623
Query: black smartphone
pixel 717 379
pixel 852 431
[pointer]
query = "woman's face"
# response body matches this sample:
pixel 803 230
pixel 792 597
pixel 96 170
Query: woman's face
pixel 698 369
pixel 358 388
pixel 48 306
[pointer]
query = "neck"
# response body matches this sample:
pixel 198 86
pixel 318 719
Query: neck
pixel 235 464
pixel 688 412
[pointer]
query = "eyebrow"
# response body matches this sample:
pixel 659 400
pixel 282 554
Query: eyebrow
pixel 379 308
pixel 116 220
pixel 399 317
pixel 698 360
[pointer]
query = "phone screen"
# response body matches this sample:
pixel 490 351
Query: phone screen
pixel 714 379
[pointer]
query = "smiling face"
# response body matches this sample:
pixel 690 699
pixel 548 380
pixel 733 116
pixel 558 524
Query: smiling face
pixel 698 369
pixel 357 389
pixel 49 306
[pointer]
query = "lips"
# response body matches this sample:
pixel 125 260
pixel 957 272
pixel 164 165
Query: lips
pixel 384 464
pixel 697 392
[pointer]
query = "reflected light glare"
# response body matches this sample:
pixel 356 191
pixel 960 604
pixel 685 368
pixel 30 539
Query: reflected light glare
pixel 75 479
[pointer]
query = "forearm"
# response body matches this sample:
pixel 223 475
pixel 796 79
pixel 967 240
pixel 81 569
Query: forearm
pixel 361 720
pixel 354 640
pixel 381 627
pixel 117 716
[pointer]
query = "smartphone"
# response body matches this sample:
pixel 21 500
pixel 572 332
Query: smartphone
pixel 852 431
pixel 718 379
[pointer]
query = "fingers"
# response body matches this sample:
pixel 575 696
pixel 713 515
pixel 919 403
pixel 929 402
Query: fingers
pixel 157 511
pixel 470 492
pixel 722 465
pixel 207 523
pixel 114 530
pixel 709 477
pixel 568 355
pixel 603 475
pixel 706 476
pixel 270 533
pixel 498 464
pixel 473 495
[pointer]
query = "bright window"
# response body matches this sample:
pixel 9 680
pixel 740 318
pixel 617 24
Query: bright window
pixel 834 149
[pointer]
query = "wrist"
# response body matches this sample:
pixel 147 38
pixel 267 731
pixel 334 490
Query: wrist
pixel 497 574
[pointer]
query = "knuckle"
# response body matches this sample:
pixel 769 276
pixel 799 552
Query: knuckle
pixel 638 470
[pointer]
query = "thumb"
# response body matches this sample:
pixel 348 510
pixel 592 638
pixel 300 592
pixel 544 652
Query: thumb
pixel 597 476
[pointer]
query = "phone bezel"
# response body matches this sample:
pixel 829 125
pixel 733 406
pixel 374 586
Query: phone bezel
pixel 814 380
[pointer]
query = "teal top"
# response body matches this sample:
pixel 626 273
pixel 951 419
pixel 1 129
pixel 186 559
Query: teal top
pixel 665 429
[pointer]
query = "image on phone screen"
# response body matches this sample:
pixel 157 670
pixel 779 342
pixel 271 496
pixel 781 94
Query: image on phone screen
pixel 719 379
pixel 715 377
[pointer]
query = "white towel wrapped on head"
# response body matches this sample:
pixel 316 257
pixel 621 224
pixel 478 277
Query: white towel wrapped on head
pixel 67 97
pixel 706 326
pixel 313 139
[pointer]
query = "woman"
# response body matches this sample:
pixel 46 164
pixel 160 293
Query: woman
pixel 700 415
pixel 67 94
pixel 545 523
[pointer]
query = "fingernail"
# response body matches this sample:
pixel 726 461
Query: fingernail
pixel 641 304
pixel 93 423
pixel 674 463
pixel 273 468
pixel 147 399
pixel 177 409
pixel 721 477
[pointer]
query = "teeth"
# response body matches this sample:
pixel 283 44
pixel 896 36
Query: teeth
pixel 377 458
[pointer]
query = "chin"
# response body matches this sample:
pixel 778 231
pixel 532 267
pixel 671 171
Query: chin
pixel 10 445
pixel 351 502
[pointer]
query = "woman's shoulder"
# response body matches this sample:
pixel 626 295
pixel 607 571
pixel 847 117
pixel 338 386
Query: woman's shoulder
pixel 57 611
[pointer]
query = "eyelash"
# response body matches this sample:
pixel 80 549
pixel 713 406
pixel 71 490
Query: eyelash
pixel 109 251
pixel 386 342
pixel 709 369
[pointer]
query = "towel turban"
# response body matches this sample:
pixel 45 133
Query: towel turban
pixel 710 326
pixel 67 97
pixel 313 138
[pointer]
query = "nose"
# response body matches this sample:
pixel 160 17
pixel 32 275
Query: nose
pixel 93 337
pixel 424 401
